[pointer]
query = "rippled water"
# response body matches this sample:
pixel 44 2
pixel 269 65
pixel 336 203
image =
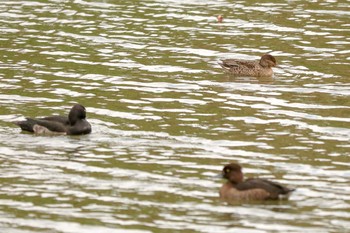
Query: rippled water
pixel 166 118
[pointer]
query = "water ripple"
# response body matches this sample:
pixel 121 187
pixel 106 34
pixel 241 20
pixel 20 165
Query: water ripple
pixel 166 118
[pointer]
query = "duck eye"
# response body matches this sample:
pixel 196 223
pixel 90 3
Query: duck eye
pixel 227 170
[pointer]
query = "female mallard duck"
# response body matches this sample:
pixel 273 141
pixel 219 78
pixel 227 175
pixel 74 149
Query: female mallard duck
pixel 74 124
pixel 235 189
pixel 249 68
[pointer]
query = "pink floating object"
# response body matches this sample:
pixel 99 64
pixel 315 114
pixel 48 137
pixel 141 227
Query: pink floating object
pixel 220 18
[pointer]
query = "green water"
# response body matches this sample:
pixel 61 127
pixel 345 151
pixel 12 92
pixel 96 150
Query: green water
pixel 166 118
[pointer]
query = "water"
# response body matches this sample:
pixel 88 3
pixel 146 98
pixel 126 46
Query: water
pixel 166 118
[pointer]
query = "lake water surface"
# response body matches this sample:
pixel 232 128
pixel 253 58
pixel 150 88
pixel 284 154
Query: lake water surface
pixel 166 118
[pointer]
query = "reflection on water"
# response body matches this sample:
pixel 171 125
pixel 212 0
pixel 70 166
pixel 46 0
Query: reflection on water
pixel 166 118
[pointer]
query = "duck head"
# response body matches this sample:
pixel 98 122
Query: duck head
pixel 233 173
pixel 76 113
pixel 268 60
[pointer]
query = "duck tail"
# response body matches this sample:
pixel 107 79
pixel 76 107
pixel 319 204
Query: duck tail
pixel 222 64
pixel 286 193
pixel 26 125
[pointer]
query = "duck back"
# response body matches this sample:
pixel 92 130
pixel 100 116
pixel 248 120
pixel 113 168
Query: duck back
pixel 274 189
pixel 30 124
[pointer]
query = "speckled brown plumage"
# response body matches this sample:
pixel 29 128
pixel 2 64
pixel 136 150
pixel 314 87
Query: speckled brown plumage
pixel 258 68
pixel 237 189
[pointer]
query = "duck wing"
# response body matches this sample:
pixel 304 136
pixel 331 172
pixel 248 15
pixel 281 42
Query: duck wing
pixel 30 123
pixel 275 189
pixel 235 63
pixel 61 119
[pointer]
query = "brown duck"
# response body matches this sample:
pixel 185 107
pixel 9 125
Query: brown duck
pixel 237 189
pixel 261 68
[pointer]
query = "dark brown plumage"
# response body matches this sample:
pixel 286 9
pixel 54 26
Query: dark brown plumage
pixel 258 68
pixel 74 124
pixel 237 189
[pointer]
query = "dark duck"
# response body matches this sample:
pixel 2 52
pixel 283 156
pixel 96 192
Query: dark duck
pixel 73 124
pixel 237 189
pixel 248 68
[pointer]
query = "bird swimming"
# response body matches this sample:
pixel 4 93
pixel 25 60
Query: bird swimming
pixel 250 68
pixel 238 189
pixel 73 124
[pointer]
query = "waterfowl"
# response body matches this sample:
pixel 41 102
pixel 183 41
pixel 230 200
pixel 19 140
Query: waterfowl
pixel 237 189
pixel 257 68
pixel 73 124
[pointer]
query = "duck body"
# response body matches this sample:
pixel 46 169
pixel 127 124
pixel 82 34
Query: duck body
pixel 74 124
pixel 258 68
pixel 237 189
